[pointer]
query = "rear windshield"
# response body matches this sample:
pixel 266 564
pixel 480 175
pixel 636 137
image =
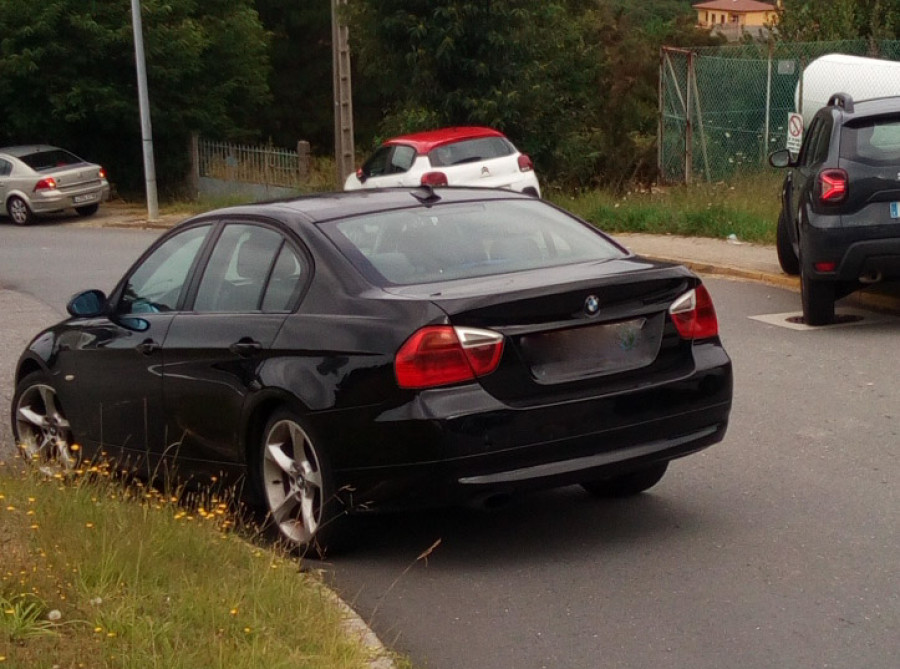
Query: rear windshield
pixel 872 140
pixel 470 151
pixel 465 240
pixel 48 160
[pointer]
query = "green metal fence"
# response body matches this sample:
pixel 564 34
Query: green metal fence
pixel 724 109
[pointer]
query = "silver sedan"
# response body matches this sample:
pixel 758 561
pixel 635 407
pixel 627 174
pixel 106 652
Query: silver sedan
pixel 42 179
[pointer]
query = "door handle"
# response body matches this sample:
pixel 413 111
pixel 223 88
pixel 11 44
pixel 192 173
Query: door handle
pixel 245 347
pixel 148 347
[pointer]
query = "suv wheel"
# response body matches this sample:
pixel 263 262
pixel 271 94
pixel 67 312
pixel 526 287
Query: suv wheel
pixel 787 258
pixel 818 300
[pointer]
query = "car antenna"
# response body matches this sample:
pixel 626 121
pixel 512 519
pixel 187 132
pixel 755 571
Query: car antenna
pixel 425 194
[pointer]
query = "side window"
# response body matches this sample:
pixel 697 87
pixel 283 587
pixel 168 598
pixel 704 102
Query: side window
pixel 377 165
pixel 5 168
pixel 157 283
pixel 809 145
pixel 286 282
pixel 402 159
pixel 822 146
pixel 236 274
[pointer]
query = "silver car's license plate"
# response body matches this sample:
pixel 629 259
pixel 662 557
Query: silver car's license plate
pixel 895 209
pixel 87 197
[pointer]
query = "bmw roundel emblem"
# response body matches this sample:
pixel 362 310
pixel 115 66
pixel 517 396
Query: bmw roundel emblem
pixel 592 305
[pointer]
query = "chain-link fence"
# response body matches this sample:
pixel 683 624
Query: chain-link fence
pixel 724 109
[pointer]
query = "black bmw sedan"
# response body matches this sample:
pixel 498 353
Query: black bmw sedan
pixel 345 352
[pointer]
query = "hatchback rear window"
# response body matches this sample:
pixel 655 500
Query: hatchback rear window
pixel 470 151
pixel 48 160
pixel 465 240
pixel 872 140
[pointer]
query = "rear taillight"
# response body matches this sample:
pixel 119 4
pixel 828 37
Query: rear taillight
pixel 102 173
pixel 434 179
pixel 694 315
pixel 525 164
pixel 45 184
pixel 832 186
pixel 439 355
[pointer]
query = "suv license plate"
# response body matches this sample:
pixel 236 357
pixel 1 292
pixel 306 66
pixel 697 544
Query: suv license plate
pixel 895 209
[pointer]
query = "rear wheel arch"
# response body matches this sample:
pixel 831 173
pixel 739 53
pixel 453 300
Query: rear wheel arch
pixel 253 432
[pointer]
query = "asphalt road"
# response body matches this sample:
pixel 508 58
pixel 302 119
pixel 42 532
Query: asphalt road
pixel 777 548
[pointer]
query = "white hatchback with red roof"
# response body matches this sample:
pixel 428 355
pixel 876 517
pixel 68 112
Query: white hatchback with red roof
pixel 464 156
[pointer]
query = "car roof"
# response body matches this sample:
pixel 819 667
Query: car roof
pixel 327 206
pixel 423 142
pixel 26 149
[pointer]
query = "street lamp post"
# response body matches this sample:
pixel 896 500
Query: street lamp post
pixel 144 103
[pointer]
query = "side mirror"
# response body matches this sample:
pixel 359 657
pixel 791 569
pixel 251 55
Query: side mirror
pixel 87 304
pixel 781 158
pixel 361 175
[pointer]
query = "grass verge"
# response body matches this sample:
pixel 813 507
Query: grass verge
pixel 746 207
pixel 103 575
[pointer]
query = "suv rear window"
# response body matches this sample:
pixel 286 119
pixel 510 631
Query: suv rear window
pixel 873 140
pixel 465 240
pixel 470 151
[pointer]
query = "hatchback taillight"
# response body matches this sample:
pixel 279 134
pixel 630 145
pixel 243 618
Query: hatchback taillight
pixel 832 185
pixel 694 315
pixel 525 164
pixel 434 179
pixel 438 355
pixel 45 184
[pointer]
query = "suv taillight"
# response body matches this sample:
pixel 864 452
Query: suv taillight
pixel 525 164
pixel 45 184
pixel 694 315
pixel 438 355
pixel 102 173
pixel 832 185
pixel 434 179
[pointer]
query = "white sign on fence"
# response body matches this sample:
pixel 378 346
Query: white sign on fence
pixel 794 132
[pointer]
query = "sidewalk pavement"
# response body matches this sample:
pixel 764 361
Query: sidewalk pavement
pixel 742 260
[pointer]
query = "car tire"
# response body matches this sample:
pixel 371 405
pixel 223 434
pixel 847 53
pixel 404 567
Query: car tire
pixel 787 257
pixel 40 427
pixel 87 210
pixel 627 485
pixel 19 211
pixel 297 488
pixel 818 300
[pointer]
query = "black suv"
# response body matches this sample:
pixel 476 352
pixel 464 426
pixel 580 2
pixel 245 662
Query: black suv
pixel 839 227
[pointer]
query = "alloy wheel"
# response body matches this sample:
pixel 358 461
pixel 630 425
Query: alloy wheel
pixel 293 481
pixel 42 430
pixel 19 211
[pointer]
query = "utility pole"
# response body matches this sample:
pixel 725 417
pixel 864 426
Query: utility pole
pixel 344 151
pixel 144 103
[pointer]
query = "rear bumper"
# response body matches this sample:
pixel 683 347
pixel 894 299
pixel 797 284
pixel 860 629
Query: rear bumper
pixel 56 200
pixel 857 251
pixel 461 444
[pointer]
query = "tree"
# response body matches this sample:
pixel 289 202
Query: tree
pixel 300 79
pixel 572 82
pixel 811 21
pixel 67 76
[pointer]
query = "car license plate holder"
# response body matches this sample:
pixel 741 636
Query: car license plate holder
pixel 87 197
pixel 602 348
pixel 895 209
